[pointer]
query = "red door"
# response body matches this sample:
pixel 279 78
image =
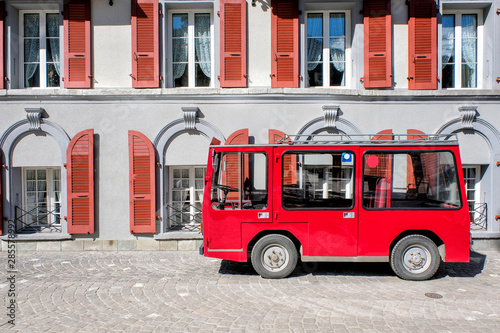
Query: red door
pixel 320 193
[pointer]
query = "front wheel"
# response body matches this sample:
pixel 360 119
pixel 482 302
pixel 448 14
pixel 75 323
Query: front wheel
pixel 415 257
pixel 274 256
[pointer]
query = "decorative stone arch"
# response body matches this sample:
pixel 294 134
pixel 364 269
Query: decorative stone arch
pixel 189 123
pixel 330 121
pixel 468 122
pixel 13 135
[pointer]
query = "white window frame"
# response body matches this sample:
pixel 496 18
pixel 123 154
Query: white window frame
pixel 326 48
pixel 192 190
pixel 51 201
pixel 458 48
pixel 43 48
pixel 191 53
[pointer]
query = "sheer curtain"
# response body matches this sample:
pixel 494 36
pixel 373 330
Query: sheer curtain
pixel 31 46
pixel 202 43
pixel 53 31
pixel 314 40
pixel 179 44
pixel 469 50
pixel 448 38
pixel 337 42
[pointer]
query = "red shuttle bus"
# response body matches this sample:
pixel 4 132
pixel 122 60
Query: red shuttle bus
pixel 338 199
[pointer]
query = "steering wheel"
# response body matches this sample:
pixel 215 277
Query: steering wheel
pixel 226 189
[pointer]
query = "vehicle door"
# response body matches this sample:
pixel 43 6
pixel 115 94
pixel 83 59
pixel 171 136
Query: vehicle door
pixel 317 186
pixel 240 193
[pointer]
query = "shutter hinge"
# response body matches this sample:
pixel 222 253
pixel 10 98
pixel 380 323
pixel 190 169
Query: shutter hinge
pixel 91 76
pixel 160 12
pixel 158 218
pixel 498 79
pixel 362 79
pixel 301 78
pixel 62 79
pixel 245 75
pixel 218 77
pixel 498 164
pixel 133 77
pixel 161 78
pixel 65 165
pixel 272 75
pixel 158 164
pixel 6 79
pixel 409 78
pixel 66 218
pixel 4 166
pixel 218 13
pixel 497 217
pixel 498 11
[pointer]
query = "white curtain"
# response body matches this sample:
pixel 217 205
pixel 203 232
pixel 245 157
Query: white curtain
pixel 469 49
pixel 314 45
pixel 180 50
pixel 53 31
pixel 202 42
pixel 31 46
pixel 448 43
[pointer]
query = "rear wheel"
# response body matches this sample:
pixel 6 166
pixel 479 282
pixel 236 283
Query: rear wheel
pixel 415 257
pixel 274 256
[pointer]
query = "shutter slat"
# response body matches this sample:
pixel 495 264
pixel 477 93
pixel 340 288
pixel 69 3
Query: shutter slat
pixel 233 43
pixel 80 173
pixel 145 44
pixel 142 189
pixel 377 44
pixel 285 44
pixel 422 30
pixel 77 62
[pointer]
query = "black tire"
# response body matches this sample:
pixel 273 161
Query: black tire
pixel 415 257
pixel 274 257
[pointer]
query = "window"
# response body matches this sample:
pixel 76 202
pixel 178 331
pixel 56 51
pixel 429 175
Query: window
pixel 318 180
pixel 460 50
pixel 191 35
pixel 186 196
pixel 240 181
pixel 416 179
pixel 327 48
pixel 477 209
pixel 42 199
pixel 39 49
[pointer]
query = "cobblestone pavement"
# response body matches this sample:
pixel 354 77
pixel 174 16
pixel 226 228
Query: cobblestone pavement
pixel 184 292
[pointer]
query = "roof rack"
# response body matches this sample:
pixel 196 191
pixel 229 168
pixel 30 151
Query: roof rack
pixel 339 139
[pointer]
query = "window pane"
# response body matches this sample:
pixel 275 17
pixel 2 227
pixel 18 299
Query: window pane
pixel 202 45
pixel 315 74
pixel 337 24
pixel 30 185
pixel 31 25
pixel 41 174
pixel 448 51
pixel 315 49
pixel 179 25
pixel 469 50
pixel 185 173
pixel 30 174
pixel 230 191
pixel 314 25
pixel 53 75
pixel 418 180
pixel 318 180
pixel 199 172
pixel 52 25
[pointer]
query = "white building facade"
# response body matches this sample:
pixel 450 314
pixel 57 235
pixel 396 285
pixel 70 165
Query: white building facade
pixel 108 106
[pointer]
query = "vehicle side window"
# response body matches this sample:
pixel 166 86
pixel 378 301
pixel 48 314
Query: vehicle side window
pixel 318 180
pixel 416 179
pixel 240 181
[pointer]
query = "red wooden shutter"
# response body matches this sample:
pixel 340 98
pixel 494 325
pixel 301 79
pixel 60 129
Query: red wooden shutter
pixel 413 134
pixel 142 186
pixel 231 176
pixel 422 30
pixel 233 20
pixel 384 168
pixel 285 44
pixel 80 172
pixel 77 73
pixel 145 49
pixel 377 44
pixel 2 75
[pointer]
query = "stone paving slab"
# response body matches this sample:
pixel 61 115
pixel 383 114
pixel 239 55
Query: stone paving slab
pixel 155 291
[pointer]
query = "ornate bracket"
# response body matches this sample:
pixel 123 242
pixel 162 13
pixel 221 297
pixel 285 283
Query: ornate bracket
pixel 190 115
pixel 34 116
pixel 331 112
pixel 468 115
